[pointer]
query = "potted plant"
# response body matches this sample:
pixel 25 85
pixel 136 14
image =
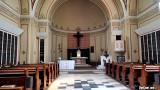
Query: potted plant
pixel 41 62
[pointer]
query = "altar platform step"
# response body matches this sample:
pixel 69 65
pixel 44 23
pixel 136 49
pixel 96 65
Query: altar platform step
pixel 82 71
pixel 100 67
pixel 82 65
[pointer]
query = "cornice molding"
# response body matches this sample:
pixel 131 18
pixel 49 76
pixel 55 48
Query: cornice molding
pixel 50 25
pixel 148 10
pixel 136 17
pixel 32 14
pixel 154 26
pixel 10 9
pixel 65 31
pixel 5 26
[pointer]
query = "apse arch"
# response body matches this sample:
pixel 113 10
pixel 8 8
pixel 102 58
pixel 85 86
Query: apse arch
pixel 88 14
pixel 101 3
pixel 123 6
pixel 57 4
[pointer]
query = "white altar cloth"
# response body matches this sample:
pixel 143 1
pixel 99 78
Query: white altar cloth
pixel 66 64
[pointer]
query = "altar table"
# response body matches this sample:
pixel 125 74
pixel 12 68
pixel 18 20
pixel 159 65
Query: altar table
pixel 79 60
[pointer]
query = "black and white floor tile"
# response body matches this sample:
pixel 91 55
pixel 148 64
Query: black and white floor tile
pixel 98 81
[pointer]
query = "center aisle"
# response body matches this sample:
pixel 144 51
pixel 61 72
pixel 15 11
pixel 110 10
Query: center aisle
pixel 85 80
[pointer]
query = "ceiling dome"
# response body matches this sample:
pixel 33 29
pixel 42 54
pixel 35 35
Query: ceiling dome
pixel 78 14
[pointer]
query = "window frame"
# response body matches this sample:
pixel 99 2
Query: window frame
pixel 151 46
pixel 12 35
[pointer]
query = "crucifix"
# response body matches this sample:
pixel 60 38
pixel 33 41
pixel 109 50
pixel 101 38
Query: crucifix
pixel 78 36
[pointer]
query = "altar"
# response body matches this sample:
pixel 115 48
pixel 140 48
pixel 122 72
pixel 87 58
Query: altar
pixel 66 64
pixel 79 60
pixel 80 56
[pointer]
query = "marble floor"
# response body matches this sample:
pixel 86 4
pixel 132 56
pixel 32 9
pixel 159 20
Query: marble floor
pixel 86 80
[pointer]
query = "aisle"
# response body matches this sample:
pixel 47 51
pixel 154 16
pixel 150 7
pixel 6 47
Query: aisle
pixel 85 80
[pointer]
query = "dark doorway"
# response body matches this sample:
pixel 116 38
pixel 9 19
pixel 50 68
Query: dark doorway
pixel 41 50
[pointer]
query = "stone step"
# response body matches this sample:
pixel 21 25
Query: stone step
pixel 100 67
pixel 95 70
pixel 82 65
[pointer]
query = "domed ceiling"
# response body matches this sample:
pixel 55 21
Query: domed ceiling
pixel 81 15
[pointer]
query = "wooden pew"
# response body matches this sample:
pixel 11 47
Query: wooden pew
pixel 48 69
pixel 104 61
pixel 118 71
pixel 147 75
pixel 135 72
pixel 106 68
pixel 113 69
pixel 34 71
pixel 125 72
pixel 57 68
pixel 42 67
pixel 54 64
pixel 109 68
pixel 51 65
pixel 157 85
pixel 19 81
pixel 14 88
pixel 53 71
pixel 51 74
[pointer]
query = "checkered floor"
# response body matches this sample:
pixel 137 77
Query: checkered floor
pixel 85 85
pixel 96 81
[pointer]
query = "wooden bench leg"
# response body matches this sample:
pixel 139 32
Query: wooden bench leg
pixel 52 74
pixel 123 76
pixel 117 74
pixel 131 80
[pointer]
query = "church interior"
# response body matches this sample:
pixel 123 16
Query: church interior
pixel 79 44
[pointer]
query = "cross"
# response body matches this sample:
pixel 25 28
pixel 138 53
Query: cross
pixel 78 36
pixel 23 52
pixel 135 51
